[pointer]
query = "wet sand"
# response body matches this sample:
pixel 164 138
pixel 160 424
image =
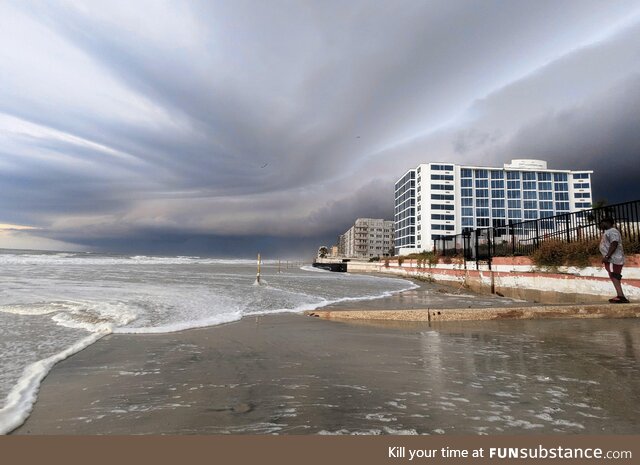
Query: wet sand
pixel 293 374
pixel 432 295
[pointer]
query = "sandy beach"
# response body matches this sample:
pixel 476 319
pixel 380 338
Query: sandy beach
pixel 293 374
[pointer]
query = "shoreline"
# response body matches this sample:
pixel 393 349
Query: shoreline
pixel 290 374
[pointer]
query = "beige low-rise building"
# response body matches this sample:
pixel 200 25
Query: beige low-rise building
pixel 368 238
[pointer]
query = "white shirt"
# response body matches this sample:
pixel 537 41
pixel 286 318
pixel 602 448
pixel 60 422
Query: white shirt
pixel 609 236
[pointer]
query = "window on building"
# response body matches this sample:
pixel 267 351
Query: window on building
pixel 441 196
pixel 513 175
pixel 442 217
pixel 466 183
pixel 482 174
pixel 466 192
pixel 442 167
pixel 435 206
pixel 497 194
pixel 442 187
pixel 465 173
pixel 560 177
pixel 442 227
pixel 482 192
pixel 513 194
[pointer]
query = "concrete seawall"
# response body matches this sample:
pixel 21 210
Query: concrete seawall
pixel 518 278
pixel 509 313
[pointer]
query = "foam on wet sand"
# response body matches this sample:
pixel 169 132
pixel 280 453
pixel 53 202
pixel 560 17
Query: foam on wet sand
pixel 290 374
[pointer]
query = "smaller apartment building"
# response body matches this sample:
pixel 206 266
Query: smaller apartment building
pixel 368 238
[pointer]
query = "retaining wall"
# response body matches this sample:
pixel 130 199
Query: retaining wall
pixel 517 277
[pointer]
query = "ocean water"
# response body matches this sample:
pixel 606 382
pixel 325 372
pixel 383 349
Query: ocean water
pixel 54 304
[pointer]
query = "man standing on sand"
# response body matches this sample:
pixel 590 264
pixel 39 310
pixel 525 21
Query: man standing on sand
pixel 612 257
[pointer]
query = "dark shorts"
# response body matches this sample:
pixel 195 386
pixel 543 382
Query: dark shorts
pixel 611 268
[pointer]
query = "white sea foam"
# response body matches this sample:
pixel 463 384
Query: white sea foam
pixel 87 315
pixel 85 296
pixel 182 326
pixel 101 260
pixel 313 268
pixel 19 402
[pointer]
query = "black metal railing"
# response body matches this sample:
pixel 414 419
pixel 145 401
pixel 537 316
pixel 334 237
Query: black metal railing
pixel 509 238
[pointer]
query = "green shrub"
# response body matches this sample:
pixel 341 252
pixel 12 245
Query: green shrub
pixel 559 253
pixel 549 253
pixel 424 258
pixel 631 246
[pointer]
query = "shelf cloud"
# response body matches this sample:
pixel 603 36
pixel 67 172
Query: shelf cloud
pixel 222 128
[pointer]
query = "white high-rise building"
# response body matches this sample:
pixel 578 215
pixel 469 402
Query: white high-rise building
pixel 444 199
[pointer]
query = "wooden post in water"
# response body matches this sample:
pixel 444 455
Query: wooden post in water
pixel 258 275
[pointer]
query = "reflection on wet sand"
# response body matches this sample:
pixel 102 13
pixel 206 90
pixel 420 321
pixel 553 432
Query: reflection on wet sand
pixel 291 374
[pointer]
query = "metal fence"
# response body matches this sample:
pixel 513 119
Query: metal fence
pixel 512 239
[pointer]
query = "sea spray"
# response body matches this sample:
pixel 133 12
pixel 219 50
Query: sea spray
pixel 65 302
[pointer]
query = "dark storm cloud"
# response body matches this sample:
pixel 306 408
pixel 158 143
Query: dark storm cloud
pixel 602 134
pixel 215 119
pixel 162 242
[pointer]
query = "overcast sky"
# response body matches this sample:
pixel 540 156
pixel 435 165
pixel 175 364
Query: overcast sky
pixel 227 127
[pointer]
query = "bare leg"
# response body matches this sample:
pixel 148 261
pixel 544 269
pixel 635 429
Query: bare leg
pixel 618 285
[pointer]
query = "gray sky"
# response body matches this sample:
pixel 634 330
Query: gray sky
pixel 223 128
